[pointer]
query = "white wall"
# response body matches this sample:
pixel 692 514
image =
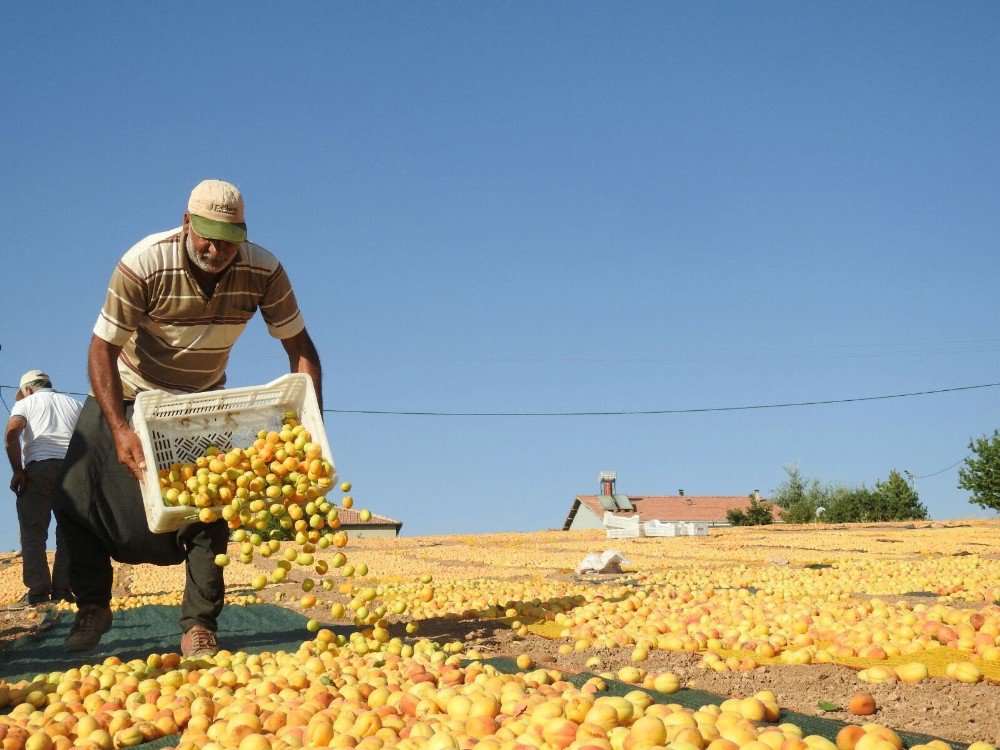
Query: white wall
pixel 586 519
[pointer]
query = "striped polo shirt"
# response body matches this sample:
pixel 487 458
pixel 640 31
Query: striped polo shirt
pixel 173 337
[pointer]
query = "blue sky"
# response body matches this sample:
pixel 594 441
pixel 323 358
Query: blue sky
pixel 544 207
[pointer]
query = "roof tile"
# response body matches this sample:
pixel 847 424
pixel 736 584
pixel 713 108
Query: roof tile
pixel 352 517
pixel 711 508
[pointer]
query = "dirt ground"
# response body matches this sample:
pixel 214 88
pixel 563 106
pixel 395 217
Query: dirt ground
pixel 17 622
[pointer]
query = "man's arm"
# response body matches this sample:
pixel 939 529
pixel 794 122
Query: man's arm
pixel 12 438
pixel 102 364
pixel 303 357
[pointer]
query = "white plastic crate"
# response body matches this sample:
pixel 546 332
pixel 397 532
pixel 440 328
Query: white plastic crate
pixel 696 528
pixel 612 521
pixel 631 533
pixel 177 429
pixel 622 527
pixel 659 528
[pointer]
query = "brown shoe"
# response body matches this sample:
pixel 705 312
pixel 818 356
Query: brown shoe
pixel 92 621
pixel 199 641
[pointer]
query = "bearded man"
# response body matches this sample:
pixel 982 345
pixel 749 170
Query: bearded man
pixel 176 304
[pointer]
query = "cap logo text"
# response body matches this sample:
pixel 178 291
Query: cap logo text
pixel 222 208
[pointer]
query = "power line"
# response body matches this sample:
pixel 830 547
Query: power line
pixel 700 410
pixel 642 412
pixel 942 471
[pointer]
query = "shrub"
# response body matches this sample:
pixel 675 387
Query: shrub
pixel 757 514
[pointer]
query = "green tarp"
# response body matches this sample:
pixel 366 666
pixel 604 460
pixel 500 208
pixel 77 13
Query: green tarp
pixel 137 633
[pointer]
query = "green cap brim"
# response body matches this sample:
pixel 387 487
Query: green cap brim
pixel 218 230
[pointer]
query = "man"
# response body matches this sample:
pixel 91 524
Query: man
pixel 44 420
pixel 176 304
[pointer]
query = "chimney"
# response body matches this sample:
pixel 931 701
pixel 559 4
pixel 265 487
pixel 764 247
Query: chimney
pixel 756 495
pixel 607 480
pixel 680 492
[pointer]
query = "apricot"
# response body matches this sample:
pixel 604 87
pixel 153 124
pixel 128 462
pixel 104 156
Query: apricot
pixel 649 730
pixel 912 672
pixel 964 671
pixel 38 741
pixel 559 733
pixel 848 737
pixel 255 742
pixel 862 704
pixel 666 683
pixel 630 675
pixel 877 674
pixel 753 709
pixel 602 715
pixel 884 735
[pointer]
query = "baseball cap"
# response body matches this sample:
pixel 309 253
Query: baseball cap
pixel 216 211
pixel 31 376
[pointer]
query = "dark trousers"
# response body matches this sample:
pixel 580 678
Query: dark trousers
pixel 98 505
pixel 34 512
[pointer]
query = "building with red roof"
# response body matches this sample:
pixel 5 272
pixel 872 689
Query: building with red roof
pixel 377 526
pixel 587 511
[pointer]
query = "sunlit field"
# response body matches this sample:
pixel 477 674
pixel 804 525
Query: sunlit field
pixel 889 628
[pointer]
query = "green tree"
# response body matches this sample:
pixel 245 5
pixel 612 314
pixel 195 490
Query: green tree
pixel 799 496
pixel 794 489
pixel 736 517
pixel 846 504
pixel 891 500
pixel 898 501
pixel 759 513
pixel 980 474
pixel 804 511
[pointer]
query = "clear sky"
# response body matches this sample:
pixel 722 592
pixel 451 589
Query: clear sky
pixel 544 207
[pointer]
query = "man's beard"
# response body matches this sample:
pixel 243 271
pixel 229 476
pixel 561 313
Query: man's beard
pixel 204 261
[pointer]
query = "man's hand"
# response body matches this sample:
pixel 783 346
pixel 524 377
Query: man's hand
pixel 12 438
pixel 129 450
pixel 107 384
pixel 17 481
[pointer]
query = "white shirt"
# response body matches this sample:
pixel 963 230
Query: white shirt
pixel 50 419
